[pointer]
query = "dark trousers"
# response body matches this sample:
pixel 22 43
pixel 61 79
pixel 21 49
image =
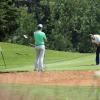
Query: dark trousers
pixel 97 55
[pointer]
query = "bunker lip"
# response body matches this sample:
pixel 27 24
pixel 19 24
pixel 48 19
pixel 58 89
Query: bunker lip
pixel 67 78
pixel 3 72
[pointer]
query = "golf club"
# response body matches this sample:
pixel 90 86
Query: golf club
pixel 2 57
pixel 26 37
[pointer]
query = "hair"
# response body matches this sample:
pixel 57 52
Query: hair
pixel 39 28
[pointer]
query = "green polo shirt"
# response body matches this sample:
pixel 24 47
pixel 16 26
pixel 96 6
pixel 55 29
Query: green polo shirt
pixel 39 37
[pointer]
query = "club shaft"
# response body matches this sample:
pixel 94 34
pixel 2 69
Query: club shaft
pixel 3 59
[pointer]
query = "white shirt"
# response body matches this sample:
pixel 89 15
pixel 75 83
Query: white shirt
pixel 96 38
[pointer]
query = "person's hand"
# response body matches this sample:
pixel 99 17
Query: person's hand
pixel 98 44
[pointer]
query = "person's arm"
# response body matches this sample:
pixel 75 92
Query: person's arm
pixel 45 38
pixel 95 42
pixel 33 40
pixel 98 44
pixel 93 39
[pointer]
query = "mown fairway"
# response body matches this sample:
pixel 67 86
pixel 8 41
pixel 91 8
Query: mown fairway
pixel 19 57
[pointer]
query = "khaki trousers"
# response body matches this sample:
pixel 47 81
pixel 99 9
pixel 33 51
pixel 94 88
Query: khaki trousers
pixel 40 51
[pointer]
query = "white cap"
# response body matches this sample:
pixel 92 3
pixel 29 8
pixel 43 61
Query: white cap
pixel 40 25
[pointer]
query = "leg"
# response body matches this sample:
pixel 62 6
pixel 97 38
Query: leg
pixel 41 57
pixel 37 59
pixel 97 55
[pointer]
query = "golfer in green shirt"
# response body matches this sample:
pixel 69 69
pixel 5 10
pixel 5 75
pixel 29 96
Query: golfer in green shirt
pixel 40 39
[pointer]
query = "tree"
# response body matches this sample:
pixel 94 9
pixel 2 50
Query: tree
pixel 8 16
pixel 26 26
pixel 75 20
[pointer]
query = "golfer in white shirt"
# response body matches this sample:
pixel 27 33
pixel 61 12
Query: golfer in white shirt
pixel 96 40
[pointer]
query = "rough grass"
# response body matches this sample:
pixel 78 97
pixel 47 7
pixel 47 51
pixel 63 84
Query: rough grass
pixel 26 92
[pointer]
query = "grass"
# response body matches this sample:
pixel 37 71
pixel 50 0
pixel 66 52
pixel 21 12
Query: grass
pixel 29 92
pixel 20 57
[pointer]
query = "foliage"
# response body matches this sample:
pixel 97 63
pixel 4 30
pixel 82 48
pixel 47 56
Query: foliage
pixel 26 26
pixel 8 16
pixel 76 19
pixel 67 23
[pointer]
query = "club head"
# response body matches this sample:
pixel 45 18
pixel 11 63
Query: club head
pixel 25 36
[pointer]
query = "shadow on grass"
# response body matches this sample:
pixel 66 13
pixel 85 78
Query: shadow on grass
pixel 1 72
pixel 89 65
